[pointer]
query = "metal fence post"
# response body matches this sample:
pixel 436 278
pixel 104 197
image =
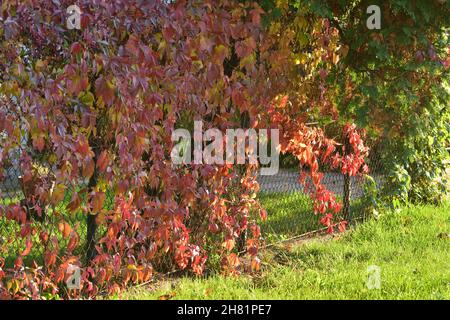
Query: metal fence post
pixel 347 181
pixel 346 201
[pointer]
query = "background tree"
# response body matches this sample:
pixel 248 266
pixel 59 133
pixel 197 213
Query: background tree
pixel 392 82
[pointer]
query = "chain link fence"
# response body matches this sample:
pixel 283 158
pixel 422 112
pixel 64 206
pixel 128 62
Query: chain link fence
pixel 21 193
pixel 287 181
pixel 289 207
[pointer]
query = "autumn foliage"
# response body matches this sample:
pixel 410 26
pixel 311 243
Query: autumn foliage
pixel 96 108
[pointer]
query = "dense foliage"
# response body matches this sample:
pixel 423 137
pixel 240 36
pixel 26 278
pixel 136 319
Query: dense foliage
pixel 393 82
pixel 96 108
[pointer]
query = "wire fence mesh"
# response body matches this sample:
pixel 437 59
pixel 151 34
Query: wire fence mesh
pixel 289 207
pixel 287 181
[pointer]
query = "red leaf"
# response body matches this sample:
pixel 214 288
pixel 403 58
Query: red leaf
pixel 76 47
pixel 73 242
pixel 342 226
pixel 213 227
pixel 256 14
pixel 102 161
pixel 98 199
pixel 64 228
pixel 18 263
pixel 88 168
pixel 256 264
pixel 58 193
pixel 233 260
pixel 168 32
pixel 74 203
pixel 229 244
pixel 50 258
pixel 28 246
pixel 39 143
pixel 105 90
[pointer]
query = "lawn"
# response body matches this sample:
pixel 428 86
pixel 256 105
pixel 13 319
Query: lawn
pixel 291 214
pixel 410 246
pixel 288 215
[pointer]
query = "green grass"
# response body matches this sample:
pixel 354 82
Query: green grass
pixel 290 215
pixel 410 246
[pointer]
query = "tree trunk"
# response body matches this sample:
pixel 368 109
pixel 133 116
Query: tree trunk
pixel 91 218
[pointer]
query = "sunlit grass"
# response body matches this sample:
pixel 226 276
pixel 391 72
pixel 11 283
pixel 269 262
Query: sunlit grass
pixel 410 246
pixel 292 214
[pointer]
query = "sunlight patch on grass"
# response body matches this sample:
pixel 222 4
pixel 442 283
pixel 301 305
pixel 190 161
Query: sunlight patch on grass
pixel 407 245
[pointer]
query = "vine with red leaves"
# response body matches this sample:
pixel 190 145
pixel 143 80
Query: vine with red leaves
pixel 96 108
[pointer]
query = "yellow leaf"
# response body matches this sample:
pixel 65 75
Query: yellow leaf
pixel 167 296
pixel 343 51
pixel 131 267
pixel 87 99
pixel 58 193
pixel 39 65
